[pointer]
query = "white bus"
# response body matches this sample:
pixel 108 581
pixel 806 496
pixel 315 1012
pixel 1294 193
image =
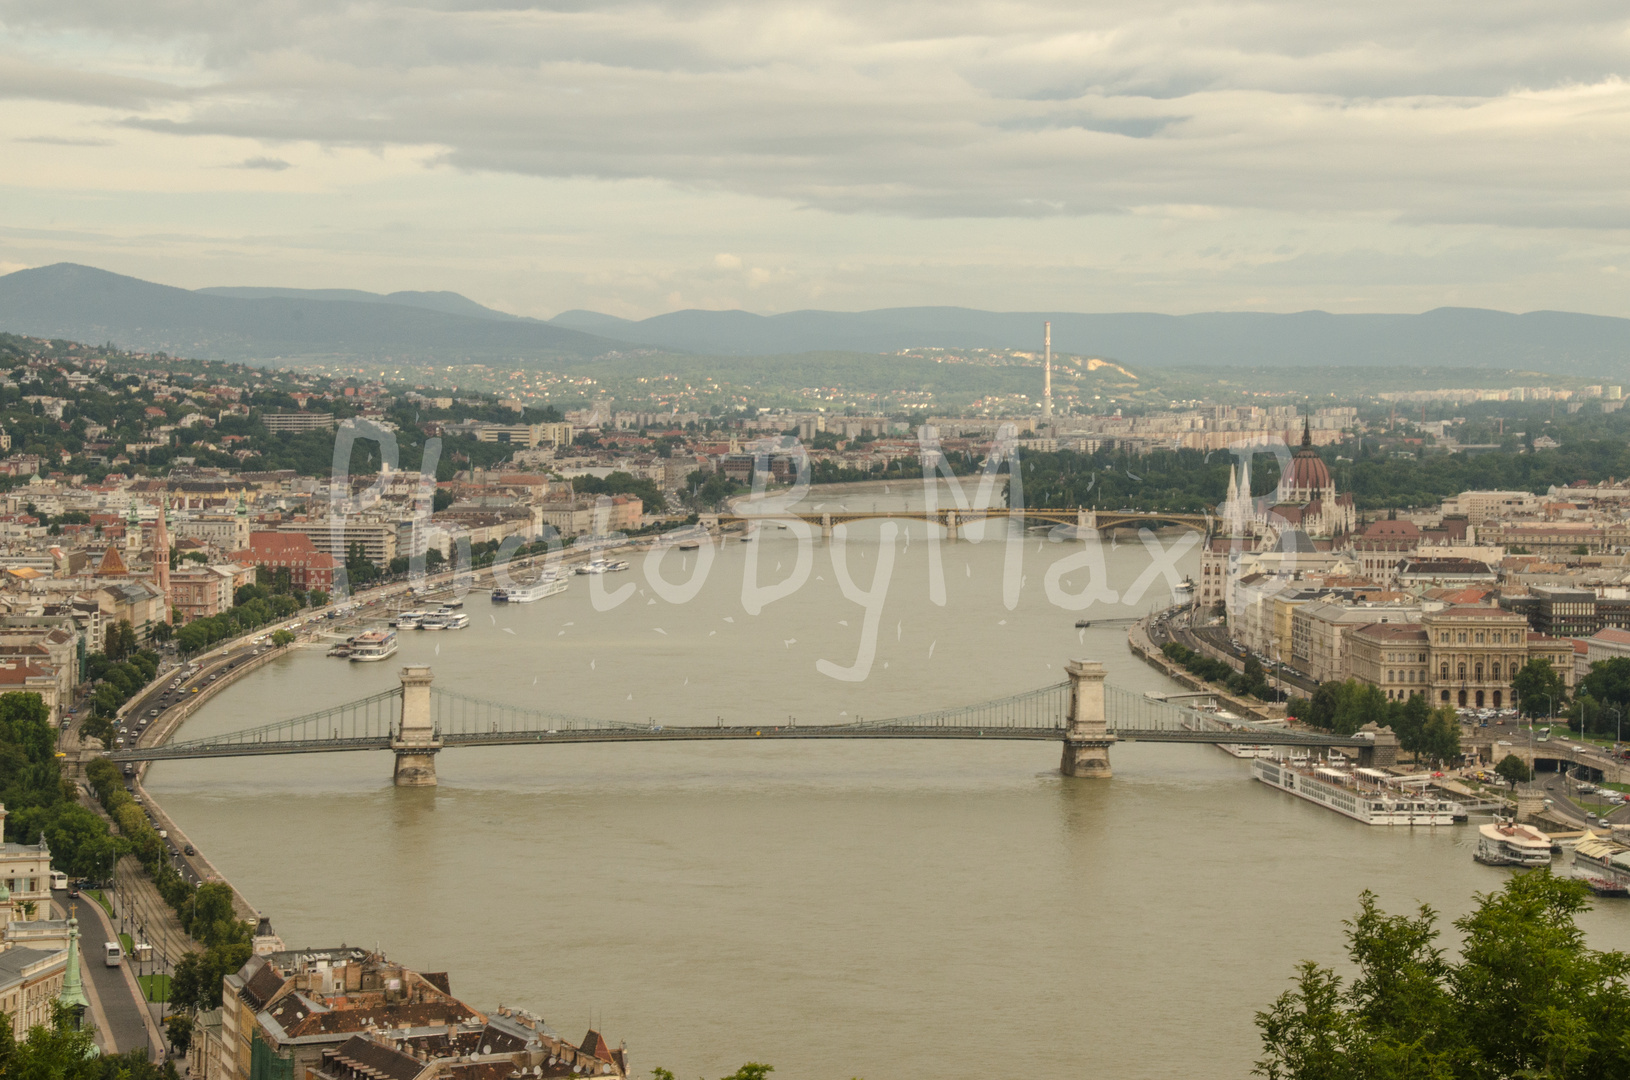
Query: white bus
pixel 114 955
pixel 59 880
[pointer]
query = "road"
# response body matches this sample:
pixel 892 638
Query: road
pixel 115 992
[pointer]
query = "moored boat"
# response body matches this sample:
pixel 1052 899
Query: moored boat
pixel 373 646
pixel 526 594
pixel 1355 793
pixel 1505 844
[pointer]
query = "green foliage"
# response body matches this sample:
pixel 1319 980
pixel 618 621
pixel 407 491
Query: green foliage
pixel 1198 664
pixel 1525 999
pixel 1606 688
pixel 621 483
pixel 196 983
pixel 1539 688
pixel 120 680
pixel 56 1051
pixel 258 609
pixel 1514 769
pixel 120 640
pixel 178 1030
pixel 711 489
pixel 281 638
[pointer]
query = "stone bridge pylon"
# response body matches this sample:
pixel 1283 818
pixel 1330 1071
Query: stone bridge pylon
pixel 1086 733
pixel 415 742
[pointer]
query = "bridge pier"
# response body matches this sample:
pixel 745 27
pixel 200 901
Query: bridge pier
pixel 1086 737
pixel 1084 520
pixel 950 525
pixel 415 743
pixel 826 526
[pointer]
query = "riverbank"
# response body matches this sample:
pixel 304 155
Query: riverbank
pixel 1142 645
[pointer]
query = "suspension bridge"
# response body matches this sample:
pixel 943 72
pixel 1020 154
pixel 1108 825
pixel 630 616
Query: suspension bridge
pixel 416 720
pixel 954 519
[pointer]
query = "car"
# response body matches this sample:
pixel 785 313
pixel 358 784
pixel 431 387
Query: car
pixel 189 850
pixel 212 678
pixel 152 712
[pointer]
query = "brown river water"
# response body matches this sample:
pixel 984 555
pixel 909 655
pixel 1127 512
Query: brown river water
pixel 836 909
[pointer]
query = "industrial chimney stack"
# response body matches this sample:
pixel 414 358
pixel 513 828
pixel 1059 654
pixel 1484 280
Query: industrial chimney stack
pixel 1047 383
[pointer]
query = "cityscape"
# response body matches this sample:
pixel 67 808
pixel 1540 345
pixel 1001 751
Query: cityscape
pixel 493 587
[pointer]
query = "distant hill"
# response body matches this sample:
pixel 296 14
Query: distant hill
pixel 1446 337
pixel 263 325
pixel 268 324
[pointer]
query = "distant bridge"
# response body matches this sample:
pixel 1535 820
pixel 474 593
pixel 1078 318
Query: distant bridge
pixel 953 519
pixel 416 721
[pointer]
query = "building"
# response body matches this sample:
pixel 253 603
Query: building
pixel 1319 628
pixel 290 423
pixel 377 539
pixel 1471 654
pixel 198 592
pixel 350 1014
pixel 25 871
pixel 1440 573
pixel 308 567
pixel 1307 495
pixel 528 435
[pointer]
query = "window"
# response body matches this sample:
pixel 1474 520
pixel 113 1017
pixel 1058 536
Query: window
pixel 1444 673
pixel 1479 673
pixel 1480 638
pixel 1494 671
pixel 1391 676
pixel 1462 637
pixel 1461 671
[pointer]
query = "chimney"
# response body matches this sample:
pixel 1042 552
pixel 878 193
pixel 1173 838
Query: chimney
pixel 1047 380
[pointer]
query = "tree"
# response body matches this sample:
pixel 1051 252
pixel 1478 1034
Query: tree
pixel 1514 769
pixel 1539 688
pixel 281 638
pixel 1525 997
pixel 120 640
pixel 1440 738
pixel 178 1029
pixel 1608 684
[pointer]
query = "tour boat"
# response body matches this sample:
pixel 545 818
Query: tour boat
pixel 433 622
pixel 1183 593
pixel 1343 791
pixel 409 620
pixel 373 646
pixel 526 594
pixel 1505 844
pixel 689 545
pixel 1601 860
pixel 456 620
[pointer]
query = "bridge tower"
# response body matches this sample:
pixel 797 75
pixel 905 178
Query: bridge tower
pixel 1086 738
pixel 415 743
pixel 1084 520
pixel 950 525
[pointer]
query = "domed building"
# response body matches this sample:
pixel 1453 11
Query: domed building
pixel 1307 497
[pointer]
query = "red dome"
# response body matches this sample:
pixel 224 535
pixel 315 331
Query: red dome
pixel 1308 471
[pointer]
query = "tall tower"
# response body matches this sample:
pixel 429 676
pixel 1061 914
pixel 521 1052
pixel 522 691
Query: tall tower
pixel 161 555
pixel 1047 380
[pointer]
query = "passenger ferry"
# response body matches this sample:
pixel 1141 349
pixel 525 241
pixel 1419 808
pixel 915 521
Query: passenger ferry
pixel 1183 592
pixel 1602 864
pixel 1505 844
pixel 409 620
pixel 526 594
pixel 445 620
pixel 373 645
pixel 1343 791
pixel 602 566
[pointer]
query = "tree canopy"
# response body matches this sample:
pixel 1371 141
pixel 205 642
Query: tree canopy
pixel 1526 997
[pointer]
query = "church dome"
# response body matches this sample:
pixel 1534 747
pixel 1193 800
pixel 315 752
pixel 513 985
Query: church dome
pixel 1308 471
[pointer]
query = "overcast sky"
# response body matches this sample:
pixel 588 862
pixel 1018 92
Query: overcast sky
pixel 634 158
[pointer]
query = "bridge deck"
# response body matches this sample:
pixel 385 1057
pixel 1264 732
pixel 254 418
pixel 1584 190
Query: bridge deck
pixel 714 734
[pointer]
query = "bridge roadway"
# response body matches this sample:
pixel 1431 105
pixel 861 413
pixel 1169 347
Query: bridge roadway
pixel 952 518
pixel 704 733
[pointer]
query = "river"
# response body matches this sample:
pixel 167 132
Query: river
pixel 835 909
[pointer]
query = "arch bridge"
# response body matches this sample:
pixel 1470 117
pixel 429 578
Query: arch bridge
pixel 416 720
pixel 953 519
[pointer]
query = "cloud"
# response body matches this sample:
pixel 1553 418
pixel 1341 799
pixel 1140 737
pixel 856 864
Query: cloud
pixel 270 164
pixel 61 140
pixel 1506 113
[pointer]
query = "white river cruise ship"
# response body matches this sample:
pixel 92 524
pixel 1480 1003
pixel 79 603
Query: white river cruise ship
pixel 1356 794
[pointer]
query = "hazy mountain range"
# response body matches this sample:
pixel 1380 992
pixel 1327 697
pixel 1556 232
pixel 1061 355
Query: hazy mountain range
pixel 268 325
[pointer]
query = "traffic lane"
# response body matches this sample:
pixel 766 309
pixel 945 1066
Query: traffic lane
pixel 127 1028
